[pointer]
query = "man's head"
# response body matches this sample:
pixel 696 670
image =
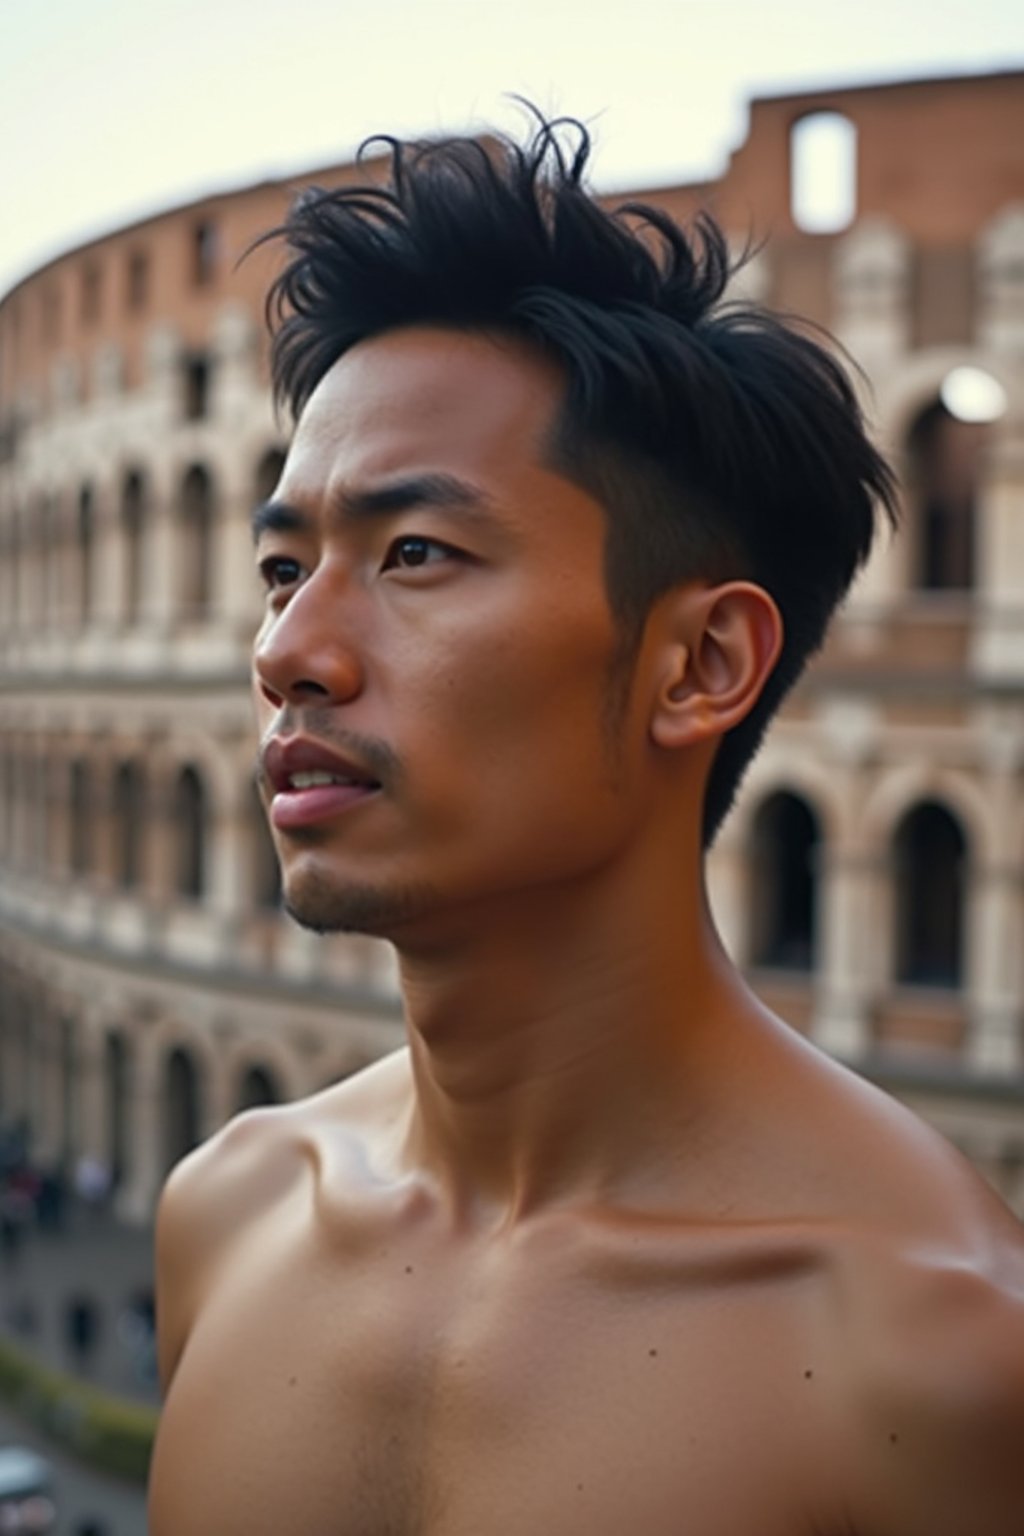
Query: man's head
pixel 720 442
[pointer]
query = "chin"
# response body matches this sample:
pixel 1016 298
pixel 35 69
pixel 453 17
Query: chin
pixel 330 906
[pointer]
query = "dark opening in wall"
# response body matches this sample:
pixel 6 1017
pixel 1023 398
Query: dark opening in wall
pixel 181 1107
pixel 81 813
pixel 944 471
pixel 196 543
pixel 86 539
pixel 930 853
pixel 190 834
pixel 204 252
pixel 129 824
pixel 257 1087
pixel 786 842
pixel 91 293
pixel 134 531
pixel 117 1072
pixel 196 379
pixel 137 287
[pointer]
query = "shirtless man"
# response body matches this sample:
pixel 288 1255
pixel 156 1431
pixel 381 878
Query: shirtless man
pixel 608 1248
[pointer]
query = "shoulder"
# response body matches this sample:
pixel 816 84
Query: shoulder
pixel 935 1363
pixel 217 1194
pixel 924 1312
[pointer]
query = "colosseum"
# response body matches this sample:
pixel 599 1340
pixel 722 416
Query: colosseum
pixel 871 878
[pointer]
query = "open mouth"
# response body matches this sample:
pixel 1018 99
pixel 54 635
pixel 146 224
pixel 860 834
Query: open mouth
pixel 316 795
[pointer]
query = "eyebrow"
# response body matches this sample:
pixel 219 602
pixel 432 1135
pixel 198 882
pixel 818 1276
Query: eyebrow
pixel 432 490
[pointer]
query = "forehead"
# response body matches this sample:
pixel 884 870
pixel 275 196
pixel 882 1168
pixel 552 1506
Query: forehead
pixel 427 398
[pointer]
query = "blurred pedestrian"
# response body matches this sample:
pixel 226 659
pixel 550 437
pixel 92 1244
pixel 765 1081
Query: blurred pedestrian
pixel 81 1330
pixel 92 1181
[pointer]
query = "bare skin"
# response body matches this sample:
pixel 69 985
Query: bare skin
pixel 608 1247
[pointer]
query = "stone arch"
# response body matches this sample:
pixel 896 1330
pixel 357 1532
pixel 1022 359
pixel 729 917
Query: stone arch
pixel 212 758
pixel 270 1055
pixel 898 790
pixel 258 1087
pixel 806 777
pixel 905 390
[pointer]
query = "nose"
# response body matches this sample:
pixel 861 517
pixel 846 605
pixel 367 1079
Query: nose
pixel 306 653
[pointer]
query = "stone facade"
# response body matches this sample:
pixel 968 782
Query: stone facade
pixel 871 878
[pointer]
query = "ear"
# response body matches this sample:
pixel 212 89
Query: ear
pixel 718 648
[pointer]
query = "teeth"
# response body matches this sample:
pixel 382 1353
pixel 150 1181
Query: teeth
pixel 315 777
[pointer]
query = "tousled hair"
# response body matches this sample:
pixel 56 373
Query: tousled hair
pixel 721 441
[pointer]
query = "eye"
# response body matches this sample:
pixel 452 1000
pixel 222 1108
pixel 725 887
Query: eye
pixel 413 550
pixel 279 571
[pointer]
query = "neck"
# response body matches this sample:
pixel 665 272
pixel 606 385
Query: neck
pixel 563 1045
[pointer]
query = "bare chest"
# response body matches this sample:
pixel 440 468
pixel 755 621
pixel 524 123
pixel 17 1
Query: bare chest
pixel 410 1396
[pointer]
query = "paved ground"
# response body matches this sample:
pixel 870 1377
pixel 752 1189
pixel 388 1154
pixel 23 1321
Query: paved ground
pixel 95 1258
pixel 83 1498
pixel 92 1257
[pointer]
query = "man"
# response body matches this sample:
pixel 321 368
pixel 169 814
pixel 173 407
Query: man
pixel 608 1247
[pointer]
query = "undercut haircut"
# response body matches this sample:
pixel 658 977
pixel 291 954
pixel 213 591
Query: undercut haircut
pixel 723 442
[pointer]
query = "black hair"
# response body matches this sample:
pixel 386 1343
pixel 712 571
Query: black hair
pixel 721 441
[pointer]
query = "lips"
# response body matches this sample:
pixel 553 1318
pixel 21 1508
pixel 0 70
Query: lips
pixel 312 783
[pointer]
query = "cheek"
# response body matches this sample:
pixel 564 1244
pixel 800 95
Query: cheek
pixel 517 725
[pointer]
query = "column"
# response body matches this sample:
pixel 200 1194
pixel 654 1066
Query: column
pixel 108 559
pixel 849 920
pixel 995 930
pixel 144 1174
pixel 90 1117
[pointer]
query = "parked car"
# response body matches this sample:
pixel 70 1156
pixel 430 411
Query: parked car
pixel 26 1493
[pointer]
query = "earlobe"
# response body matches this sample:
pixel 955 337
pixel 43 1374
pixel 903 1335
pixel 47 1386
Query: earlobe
pixel 724 642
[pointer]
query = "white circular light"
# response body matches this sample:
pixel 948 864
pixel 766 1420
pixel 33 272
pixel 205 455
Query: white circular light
pixel 971 394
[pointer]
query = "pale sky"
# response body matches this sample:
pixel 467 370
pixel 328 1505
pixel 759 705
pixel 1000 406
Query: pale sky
pixel 111 109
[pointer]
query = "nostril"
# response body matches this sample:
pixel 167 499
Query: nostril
pixel 268 693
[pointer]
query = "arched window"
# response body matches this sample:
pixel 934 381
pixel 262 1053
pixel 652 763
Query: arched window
pixel 196 550
pixel 930 853
pixel 786 845
pixel 182 1107
pixel 129 819
pixel 258 1086
pixel 116 1070
pixel 823 172
pixel 944 462
pixel 80 806
pixel 268 473
pixel 86 552
pixel 190 818
pixel 133 531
